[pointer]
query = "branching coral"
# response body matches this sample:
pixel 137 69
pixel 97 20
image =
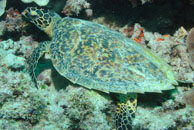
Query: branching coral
pixel 13 20
pixel 75 6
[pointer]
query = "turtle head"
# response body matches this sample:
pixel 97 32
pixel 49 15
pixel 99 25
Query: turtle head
pixel 42 18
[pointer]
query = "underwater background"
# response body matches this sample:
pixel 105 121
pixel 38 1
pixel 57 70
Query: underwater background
pixel 164 26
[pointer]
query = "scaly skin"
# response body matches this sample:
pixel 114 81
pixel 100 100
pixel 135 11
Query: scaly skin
pixel 33 60
pixel 125 112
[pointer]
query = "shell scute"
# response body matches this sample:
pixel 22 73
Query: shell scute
pixel 99 58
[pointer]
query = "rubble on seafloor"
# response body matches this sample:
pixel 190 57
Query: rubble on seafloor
pixel 59 104
pixel 22 106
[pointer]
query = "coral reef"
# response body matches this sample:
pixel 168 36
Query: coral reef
pixel 13 25
pixel 59 104
pixel 13 21
pixel 75 6
pixel 138 34
pixel 171 48
pixel 87 107
pixel 18 100
pixel 2 27
pixel 170 114
pixel 2 6
pixel 38 2
pixel 21 101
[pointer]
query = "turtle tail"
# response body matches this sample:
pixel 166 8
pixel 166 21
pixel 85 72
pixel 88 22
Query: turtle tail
pixel 33 60
pixel 125 112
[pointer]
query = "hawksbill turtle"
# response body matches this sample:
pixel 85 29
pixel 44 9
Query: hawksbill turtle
pixel 96 57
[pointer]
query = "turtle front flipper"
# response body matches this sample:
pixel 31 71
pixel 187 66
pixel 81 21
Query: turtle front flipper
pixel 125 111
pixel 33 60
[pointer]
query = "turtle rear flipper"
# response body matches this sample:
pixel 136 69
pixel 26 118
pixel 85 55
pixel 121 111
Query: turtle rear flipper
pixel 36 54
pixel 125 112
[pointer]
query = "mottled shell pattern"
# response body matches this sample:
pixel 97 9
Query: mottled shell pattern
pixel 97 57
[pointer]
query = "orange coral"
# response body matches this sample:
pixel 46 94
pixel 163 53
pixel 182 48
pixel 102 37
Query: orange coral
pixel 159 39
pixel 139 37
